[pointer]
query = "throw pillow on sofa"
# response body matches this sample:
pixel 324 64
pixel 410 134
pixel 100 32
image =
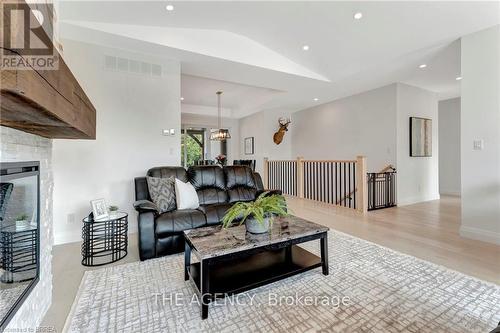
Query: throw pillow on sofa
pixel 185 195
pixel 162 192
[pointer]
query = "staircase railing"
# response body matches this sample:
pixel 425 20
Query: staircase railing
pixel 282 175
pixel 338 182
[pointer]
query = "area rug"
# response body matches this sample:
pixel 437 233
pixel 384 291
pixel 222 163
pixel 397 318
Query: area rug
pixel 9 296
pixel 370 289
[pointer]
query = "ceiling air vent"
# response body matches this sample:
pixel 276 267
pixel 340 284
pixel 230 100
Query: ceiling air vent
pixel 118 64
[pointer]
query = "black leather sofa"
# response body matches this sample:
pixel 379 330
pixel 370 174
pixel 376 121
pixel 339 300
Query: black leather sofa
pixel 218 189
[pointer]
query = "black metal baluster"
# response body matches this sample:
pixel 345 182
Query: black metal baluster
pixel 304 170
pixel 308 181
pixel 285 176
pixel 344 193
pixel 316 181
pixel 320 183
pixel 311 173
pixel 336 185
pixel 325 181
pixel 328 197
pixel 294 165
pixel 340 184
pixel 354 183
pixel 279 176
pixel 289 171
pixel 349 187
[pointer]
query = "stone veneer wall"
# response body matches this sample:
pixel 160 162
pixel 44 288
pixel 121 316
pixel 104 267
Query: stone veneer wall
pixel 19 146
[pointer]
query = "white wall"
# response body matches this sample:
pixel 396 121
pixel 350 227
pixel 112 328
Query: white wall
pixel 362 124
pixel 262 126
pixel 132 110
pixel 418 177
pixel 213 147
pixel 480 120
pixel 449 146
pixel 374 123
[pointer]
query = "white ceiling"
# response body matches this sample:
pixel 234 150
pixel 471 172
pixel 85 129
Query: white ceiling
pixel 256 47
pixel 235 99
pixel 440 73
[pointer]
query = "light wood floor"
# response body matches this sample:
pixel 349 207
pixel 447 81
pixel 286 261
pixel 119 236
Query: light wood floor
pixel 427 230
pixel 67 273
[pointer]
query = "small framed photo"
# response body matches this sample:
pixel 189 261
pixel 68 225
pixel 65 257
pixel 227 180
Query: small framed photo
pixel 99 208
pixel 249 146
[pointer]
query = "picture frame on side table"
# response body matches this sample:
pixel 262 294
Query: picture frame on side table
pixel 249 146
pixel 99 209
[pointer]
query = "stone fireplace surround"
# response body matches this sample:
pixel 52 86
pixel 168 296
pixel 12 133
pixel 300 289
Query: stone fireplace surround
pixel 17 146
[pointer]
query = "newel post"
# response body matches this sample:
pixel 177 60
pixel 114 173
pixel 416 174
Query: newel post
pixel 300 177
pixel 266 173
pixel 362 195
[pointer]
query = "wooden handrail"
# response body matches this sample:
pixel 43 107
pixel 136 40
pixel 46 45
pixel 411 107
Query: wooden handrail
pixel 330 161
pixel 316 161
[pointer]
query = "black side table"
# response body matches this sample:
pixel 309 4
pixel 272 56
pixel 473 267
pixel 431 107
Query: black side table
pixel 105 240
pixel 18 257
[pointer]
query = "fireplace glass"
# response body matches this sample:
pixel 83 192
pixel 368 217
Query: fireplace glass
pixel 19 235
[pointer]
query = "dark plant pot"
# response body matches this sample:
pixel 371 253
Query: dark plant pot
pixel 253 226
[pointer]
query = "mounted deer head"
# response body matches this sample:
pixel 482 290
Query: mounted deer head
pixel 278 136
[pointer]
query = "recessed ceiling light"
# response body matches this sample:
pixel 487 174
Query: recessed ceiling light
pixel 316 99
pixel 305 47
pixel 422 66
pixel 358 16
pixel 182 98
pixel 458 78
pixel 170 8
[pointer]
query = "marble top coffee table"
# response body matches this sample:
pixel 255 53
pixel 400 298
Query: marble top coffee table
pixel 232 260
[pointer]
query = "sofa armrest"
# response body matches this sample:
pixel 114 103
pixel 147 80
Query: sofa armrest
pixel 271 192
pixel 143 206
pixel 147 238
pixel 141 188
pixel 258 181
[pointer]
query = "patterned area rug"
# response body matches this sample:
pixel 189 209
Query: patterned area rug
pixel 370 289
pixel 9 296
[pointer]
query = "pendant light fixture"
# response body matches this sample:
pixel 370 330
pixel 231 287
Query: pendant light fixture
pixel 219 134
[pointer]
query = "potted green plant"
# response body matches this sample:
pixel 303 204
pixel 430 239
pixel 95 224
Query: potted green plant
pixel 257 215
pixel 22 220
pixel 113 210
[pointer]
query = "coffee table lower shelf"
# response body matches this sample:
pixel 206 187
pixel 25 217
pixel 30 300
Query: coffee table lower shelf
pixel 240 274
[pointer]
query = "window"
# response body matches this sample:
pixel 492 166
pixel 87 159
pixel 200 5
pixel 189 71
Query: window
pixel 192 146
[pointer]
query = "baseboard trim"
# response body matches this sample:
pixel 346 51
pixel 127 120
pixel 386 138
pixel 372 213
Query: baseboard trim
pixel 480 234
pixel 415 200
pixel 67 237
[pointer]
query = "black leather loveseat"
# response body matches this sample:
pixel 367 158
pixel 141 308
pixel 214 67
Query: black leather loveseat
pixel 217 188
